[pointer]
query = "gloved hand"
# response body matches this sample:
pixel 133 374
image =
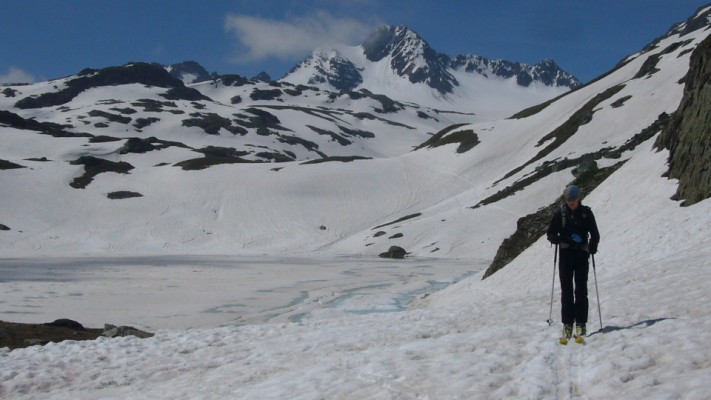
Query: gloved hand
pixel 554 239
pixel 592 248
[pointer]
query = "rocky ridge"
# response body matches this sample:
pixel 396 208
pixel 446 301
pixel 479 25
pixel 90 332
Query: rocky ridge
pixel 411 57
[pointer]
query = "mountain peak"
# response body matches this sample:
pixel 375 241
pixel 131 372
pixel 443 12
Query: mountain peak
pixel 701 19
pixel 411 56
pixel 262 77
pixel 550 74
pixel 328 66
pixel 189 72
pixel 546 72
pixel 388 39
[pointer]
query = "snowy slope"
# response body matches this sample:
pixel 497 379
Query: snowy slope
pixel 475 340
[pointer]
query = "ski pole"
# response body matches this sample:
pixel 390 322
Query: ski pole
pixel 597 292
pixel 555 261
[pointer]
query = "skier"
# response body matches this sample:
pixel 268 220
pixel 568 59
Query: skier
pixel 574 230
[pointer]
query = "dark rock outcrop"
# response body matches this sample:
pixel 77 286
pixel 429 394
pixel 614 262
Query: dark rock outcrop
pixel 17 335
pixel 262 77
pixel 138 145
pixel 123 194
pixel 67 323
pixel 467 139
pixel 121 331
pixel 396 252
pixel 189 72
pixel 46 128
pixel 143 73
pixel 4 164
pixel 94 166
pixel 214 156
pixel 688 136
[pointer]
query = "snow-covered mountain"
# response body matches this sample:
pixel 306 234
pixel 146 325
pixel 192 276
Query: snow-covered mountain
pixel 181 155
pixel 636 139
pixel 256 121
pixel 398 62
pixel 138 134
pixel 261 120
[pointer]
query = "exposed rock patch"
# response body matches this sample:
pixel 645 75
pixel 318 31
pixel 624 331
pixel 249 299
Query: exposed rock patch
pixel 18 335
pixel 4 164
pixel 123 194
pixel 122 331
pixel 211 123
pixel 214 156
pixel 405 218
pixel 138 145
pixel 688 137
pixel 144 73
pixel 467 139
pixel 396 252
pixel 47 128
pixel 94 166
pixel 336 159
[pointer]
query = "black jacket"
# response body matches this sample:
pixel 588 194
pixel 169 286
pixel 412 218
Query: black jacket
pixel 574 229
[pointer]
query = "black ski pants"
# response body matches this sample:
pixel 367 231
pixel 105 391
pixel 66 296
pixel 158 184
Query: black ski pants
pixel 573 274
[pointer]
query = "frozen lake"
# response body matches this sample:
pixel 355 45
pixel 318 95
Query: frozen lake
pixel 181 292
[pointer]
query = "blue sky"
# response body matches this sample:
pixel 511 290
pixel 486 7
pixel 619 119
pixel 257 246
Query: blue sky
pixel 46 39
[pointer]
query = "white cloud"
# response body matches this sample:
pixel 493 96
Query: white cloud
pixel 16 75
pixel 293 37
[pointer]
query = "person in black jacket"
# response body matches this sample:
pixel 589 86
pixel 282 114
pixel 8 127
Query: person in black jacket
pixel 574 230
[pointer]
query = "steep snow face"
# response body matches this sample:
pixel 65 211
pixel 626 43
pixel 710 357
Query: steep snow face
pixel 410 56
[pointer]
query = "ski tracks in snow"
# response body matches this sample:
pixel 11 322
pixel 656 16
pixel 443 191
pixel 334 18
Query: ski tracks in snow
pixel 546 369
pixel 568 370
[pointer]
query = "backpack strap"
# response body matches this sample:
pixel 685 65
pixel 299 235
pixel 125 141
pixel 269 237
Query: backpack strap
pixel 585 210
pixel 564 216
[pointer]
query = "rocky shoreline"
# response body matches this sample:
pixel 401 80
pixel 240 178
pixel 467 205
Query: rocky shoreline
pixel 15 335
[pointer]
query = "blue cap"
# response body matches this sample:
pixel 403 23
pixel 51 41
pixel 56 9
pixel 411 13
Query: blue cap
pixel 571 192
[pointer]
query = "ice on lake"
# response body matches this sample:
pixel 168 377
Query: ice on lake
pixel 188 291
